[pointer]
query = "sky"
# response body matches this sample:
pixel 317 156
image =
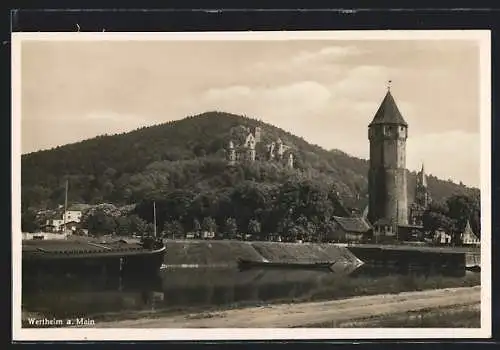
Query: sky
pixel 326 91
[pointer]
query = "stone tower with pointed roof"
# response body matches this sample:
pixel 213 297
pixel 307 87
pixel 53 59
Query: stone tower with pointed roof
pixel 387 183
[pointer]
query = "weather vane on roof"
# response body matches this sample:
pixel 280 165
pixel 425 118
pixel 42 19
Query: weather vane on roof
pixel 389 85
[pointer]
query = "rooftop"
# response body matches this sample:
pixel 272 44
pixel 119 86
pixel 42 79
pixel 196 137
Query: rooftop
pixel 388 112
pixel 352 224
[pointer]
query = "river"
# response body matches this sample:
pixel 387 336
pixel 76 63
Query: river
pixel 176 290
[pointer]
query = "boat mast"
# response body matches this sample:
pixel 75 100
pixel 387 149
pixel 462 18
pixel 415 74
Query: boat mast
pixel 65 207
pixel 154 218
pixel 397 221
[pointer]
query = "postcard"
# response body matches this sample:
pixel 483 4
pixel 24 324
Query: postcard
pixel 251 185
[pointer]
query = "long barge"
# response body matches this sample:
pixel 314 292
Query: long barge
pixel 80 256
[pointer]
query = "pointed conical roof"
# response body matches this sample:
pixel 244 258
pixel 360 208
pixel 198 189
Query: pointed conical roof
pixel 467 227
pixel 422 177
pixel 388 112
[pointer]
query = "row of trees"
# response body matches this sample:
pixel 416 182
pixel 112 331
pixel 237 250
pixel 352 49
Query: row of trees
pixel 309 215
pixel 300 208
pixel 452 215
pixel 249 207
pixel 289 230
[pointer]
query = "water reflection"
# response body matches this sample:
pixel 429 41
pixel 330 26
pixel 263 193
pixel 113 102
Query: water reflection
pixel 181 288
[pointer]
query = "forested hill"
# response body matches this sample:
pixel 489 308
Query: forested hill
pixel 189 154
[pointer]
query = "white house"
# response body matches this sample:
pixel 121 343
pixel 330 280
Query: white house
pixel 441 237
pixel 55 224
pixel 208 234
pixel 73 215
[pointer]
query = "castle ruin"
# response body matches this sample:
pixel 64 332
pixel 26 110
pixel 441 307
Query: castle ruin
pixel 276 150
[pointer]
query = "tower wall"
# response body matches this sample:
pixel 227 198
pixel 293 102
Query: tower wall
pixel 257 133
pixel 251 154
pixel 387 184
pixel 232 157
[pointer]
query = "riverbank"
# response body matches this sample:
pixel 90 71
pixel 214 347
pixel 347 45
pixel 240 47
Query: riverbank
pixel 304 314
pixel 461 316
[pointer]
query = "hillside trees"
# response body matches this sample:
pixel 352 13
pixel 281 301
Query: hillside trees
pixel 107 219
pixel 436 218
pixel 299 208
pixel 181 166
pixel 463 208
pixel 29 221
pixel 230 228
pixel 254 228
pixel 209 225
pixel 251 207
pixel 186 154
pixel 100 223
pixel 453 214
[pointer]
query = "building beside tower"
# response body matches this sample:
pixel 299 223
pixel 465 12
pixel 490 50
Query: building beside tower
pixel 387 182
pixel 421 201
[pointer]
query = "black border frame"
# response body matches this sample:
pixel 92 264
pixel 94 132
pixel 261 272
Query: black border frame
pixel 232 19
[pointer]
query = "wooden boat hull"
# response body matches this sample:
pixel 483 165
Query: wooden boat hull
pixel 68 257
pixel 248 264
pixel 473 268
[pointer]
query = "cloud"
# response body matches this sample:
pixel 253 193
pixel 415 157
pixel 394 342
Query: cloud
pixel 326 54
pixel 276 103
pixel 316 64
pixel 223 93
pixel 365 82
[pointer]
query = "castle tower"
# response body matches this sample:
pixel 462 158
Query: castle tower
pixel 387 133
pixel 271 151
pixel 250 147
pixel 421 190
pixel 231 155
pixel 257 134
pixel 281 149
pixel 290 161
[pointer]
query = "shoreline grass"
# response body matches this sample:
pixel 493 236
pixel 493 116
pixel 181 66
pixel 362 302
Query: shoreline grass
pixel 464 316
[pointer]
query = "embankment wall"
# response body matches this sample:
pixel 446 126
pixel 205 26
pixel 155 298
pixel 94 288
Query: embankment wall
pixel 227 253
